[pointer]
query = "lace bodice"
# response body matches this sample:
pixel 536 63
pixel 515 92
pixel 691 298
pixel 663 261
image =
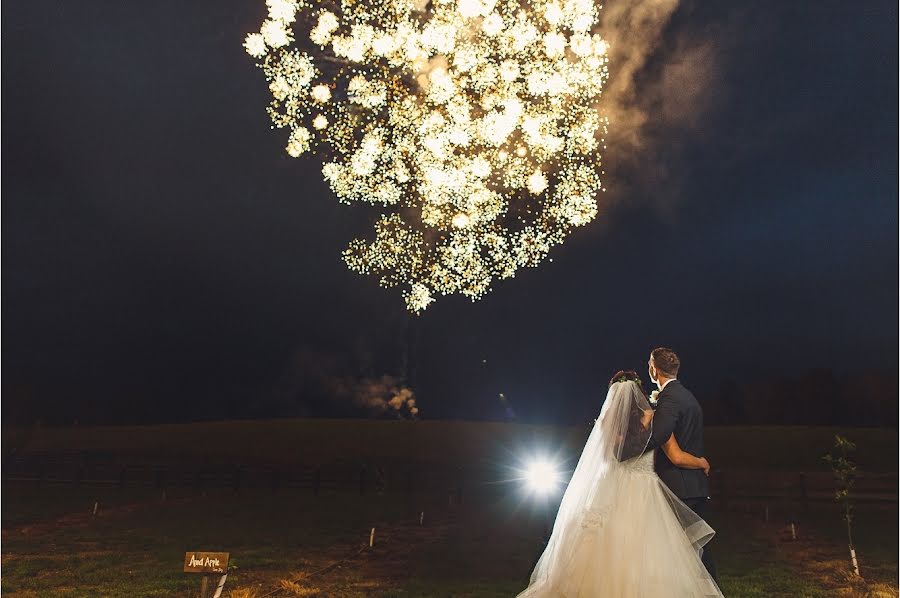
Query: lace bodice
pixel 593 517
pixel 642 464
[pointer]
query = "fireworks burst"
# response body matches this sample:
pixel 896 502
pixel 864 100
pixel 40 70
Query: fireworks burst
pixel 473 122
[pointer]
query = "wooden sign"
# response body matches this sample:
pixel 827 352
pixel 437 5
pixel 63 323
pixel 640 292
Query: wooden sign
pixel 205 562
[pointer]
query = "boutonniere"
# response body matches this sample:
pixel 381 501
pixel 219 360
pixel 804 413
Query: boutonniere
pixel 654 397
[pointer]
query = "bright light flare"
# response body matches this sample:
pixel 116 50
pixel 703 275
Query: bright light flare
pixel 542 476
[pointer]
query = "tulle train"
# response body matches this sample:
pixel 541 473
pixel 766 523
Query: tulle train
pixel 646 544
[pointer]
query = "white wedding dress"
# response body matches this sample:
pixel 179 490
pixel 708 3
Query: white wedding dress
pixel 620 532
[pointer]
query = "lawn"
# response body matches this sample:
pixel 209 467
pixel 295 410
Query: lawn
pixel 295 544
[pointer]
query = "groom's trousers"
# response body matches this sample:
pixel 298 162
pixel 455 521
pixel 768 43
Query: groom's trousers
pixel 698 506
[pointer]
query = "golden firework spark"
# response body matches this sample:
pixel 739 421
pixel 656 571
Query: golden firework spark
pixel 474 122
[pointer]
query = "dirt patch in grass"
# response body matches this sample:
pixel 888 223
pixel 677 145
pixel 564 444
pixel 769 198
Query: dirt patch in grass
pixel 354 569
pixel 828 565
pixel 821 556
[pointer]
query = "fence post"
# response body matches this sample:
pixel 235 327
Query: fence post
pixel 804 493
pixel 723 495
pixel 790 506
pixel 362 480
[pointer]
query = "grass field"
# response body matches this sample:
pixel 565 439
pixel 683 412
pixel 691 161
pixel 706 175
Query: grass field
pixel 292 543
pixel 320 441
pixel 295 544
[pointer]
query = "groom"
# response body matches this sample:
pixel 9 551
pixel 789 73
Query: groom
pixel 678 412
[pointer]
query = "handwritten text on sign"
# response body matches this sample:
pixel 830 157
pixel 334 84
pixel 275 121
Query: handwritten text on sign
pixel 205 562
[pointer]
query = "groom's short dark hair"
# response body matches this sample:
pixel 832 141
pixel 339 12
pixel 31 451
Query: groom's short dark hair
pixel 666 361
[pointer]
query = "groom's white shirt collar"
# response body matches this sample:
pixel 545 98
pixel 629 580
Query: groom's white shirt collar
pixel 663 387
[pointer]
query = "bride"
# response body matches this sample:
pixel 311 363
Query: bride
pixel 620 532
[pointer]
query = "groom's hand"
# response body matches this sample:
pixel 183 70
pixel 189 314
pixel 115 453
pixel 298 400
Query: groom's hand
pixel 705 464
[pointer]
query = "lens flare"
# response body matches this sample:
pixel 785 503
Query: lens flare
pixel 542 477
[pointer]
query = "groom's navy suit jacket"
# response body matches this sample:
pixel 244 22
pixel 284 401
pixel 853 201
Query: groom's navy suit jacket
pixel 678 412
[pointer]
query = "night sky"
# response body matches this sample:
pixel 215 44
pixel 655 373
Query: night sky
pixel 164 259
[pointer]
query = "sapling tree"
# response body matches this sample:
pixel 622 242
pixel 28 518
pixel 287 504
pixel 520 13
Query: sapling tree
pixel 844 475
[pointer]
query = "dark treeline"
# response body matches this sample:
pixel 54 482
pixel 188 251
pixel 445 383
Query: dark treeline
pixel 814 397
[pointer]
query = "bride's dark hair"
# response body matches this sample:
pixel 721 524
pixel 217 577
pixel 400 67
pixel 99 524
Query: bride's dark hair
pixel 625 376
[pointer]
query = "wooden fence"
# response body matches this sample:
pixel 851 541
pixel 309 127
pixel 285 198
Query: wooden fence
pixel 101 469
pixel 795 490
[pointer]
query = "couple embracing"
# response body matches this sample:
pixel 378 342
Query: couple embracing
pixel 630 524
